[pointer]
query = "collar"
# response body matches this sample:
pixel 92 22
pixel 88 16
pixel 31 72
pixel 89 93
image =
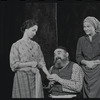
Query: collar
pixel 93 38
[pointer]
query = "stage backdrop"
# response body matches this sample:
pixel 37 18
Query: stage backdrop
pixel 12 15
pixel 70 18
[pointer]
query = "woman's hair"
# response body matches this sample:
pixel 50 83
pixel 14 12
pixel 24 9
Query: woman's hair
pixel 27 24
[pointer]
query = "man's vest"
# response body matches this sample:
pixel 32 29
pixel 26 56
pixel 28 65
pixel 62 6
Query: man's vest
pixel 64 73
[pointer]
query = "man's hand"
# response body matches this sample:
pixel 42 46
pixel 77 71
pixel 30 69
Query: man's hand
pixel 54 77
pixel 97 61
pixel 51 83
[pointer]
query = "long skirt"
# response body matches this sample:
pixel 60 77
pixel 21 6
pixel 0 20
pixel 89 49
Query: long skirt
pixel 27 85
pixel 91 85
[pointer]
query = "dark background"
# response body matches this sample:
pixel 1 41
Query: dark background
pixel 70 18
pixel 62 26
pixel 12 15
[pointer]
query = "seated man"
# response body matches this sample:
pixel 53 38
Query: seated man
pixel 67 77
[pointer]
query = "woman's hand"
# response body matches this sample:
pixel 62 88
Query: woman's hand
pixel 33 64
pixel 92 64
pixel 35 70
pixel 48 76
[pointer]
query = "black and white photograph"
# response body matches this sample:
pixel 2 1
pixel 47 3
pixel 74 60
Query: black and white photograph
pixel 50 49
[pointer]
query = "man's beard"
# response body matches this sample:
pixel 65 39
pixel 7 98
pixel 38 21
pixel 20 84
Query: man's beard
pixel 58 63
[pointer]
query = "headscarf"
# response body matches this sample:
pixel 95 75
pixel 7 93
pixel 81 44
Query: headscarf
pixel 93 21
